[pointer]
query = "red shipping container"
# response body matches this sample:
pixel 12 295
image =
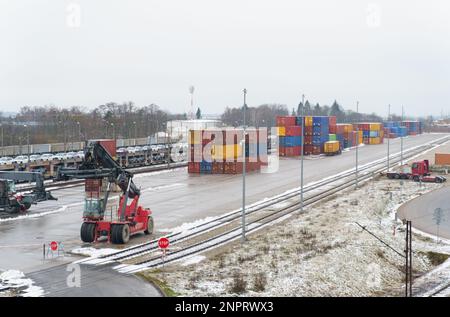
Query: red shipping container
pixel 293 131
pixel 286 121
pixel 340 129
pixel 316 150
pixel 308 140
pixel 308 149
pixel 290 151
pixel 332 121
pixel 308 131
pixel 232 167
pixel 332 129
pixel 193 167
pixel 109 145
pixel 217 168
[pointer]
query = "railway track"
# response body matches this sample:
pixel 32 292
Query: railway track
pixel 228 228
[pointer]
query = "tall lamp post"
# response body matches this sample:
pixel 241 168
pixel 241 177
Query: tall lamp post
pixel 302 151
pixel 113 130
pixel 388 142
pixel 243 238
pixel 28 141
pixel 357 146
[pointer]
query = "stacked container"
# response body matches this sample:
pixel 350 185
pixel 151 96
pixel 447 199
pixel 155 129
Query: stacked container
pixel 373 132
pixel 221 151
pixel 321 131
pixel 290 135
pixel 412 127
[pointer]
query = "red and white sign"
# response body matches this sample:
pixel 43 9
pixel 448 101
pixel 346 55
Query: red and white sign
pixel 163 243
pixel 54 245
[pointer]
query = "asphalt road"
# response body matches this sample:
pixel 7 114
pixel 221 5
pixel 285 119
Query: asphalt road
pixel 175 197
pixel 421 211
pixel 94 281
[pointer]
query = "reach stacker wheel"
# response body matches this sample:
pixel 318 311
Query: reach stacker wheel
pixel 120 233
pixel 87 232
pixel 150 225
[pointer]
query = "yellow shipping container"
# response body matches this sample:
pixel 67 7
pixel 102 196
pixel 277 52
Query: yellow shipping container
pixel 195 136
pixel 226 152
pixel 348 127
pixel 360 137
pixel 281 131
pixel 308 121
pixel 375 126
pixel 374 140
pixel 331 147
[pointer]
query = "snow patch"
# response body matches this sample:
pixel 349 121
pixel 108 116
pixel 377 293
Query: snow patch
pixel 16 280
pixel 193 260
pixel 93 252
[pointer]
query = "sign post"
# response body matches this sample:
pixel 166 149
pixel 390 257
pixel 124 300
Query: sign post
pixel 163 244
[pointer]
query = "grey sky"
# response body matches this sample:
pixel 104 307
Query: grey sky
pixel 377 52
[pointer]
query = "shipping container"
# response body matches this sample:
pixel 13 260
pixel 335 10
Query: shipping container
pixel 442 158
pixel 332 148
pixel 108 144
pixel 284 121
pixel 281 131
pixel 293 131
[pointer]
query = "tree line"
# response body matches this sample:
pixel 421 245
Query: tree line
pixel 265 115
pixel 52 124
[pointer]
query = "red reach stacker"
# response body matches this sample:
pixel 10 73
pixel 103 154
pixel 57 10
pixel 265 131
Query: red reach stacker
pixel 98 220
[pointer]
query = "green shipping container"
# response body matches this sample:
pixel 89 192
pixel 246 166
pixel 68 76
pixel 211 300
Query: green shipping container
pixel 332 137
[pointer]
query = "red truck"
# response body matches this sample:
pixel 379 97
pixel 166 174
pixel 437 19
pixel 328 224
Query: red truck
pixel 418 171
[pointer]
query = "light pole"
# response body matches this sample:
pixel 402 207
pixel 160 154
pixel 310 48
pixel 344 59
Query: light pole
pixel 243 168
pixel 401 142
pixel 113 130
pixel 79 131
pixel 302 151
pixel 357 145
pixel 1 126
pixel 388 143
pixel 135 132
pixel 28 141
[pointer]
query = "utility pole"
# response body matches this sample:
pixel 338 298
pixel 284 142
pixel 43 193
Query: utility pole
pixel 135 132
pixel 79 130
pixel 1 126
pixel 302 151
pixel 401 141
pixel 28 141
pixel 243 239
pixel 388 142
pixel 357 147
pixel 114 130
pixel 408 259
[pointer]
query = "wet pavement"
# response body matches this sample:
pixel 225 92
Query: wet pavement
pixel 421 212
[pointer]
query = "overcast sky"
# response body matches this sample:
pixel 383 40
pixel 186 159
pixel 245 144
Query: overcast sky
pixel 89 52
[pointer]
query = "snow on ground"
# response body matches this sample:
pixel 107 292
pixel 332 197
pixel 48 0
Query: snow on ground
pixel 13 282
pixel 319 253
pixel 93 252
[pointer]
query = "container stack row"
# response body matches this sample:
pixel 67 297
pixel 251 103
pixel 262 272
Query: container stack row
pixel 373 132
pixel 220 151
pixel 317 130
pixel 412 127
pixel 393 129
pixel 396 129
pixel 348 136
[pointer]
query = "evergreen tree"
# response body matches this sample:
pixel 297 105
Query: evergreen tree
pixel 308 110
pixel 198 115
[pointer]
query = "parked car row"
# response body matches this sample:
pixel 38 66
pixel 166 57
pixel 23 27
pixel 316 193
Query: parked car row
pixel 46 157
pixel 141 149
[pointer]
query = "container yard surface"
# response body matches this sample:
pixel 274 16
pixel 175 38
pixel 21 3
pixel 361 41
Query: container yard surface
pixel 174 196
